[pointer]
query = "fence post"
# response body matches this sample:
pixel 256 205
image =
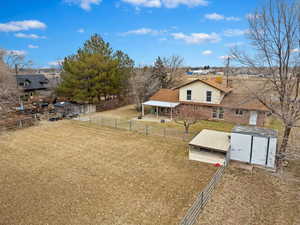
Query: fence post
pixel 146 129
pixel 130 125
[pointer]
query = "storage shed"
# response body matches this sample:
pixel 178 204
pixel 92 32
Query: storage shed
pixel 254 145
pixel 209 146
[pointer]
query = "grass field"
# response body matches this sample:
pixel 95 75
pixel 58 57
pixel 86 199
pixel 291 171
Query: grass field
pixel 257 197
pixel 69 173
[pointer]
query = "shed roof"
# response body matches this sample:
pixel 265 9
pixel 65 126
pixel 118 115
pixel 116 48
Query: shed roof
pixel 255 131
pixel 211 139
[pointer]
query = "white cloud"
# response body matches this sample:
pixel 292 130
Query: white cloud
pixel 56 63
pixel 234 32
pixel 14 26
pixel 84 4
pixel 166 3
pixel 144 31
pixel 207 52
pixel 15 52
pixel 216 16
pixel 81 30
pixel 33 46
pixel 197 38
pixel 234 44
pixel 30 36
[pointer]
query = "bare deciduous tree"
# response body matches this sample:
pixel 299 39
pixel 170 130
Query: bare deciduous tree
pixel 8 89
pixel 168 71
pixel 15 60
pixel 187 116
pixel 143 86
pixel 274 32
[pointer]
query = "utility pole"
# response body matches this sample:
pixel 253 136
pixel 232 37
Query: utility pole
pixel 16 69
pixel 227 70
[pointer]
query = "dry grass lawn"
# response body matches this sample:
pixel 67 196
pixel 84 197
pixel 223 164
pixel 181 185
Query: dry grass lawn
pixel 257 198
pixel 69 173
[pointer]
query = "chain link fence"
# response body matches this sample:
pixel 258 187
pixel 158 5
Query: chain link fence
pixel 140 127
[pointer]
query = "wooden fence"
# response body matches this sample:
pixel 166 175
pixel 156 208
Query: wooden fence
pixel 17 124
pixel 194 211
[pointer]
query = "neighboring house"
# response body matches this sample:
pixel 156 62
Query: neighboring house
pixel 212 100
pixel 32 84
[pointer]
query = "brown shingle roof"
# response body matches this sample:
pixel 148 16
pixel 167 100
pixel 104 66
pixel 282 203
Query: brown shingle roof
pixel 166 95
pixel 239 101
pixel 211 83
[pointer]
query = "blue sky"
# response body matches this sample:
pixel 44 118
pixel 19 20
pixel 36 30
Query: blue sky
pixel 199 30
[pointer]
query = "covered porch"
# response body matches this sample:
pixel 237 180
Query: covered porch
pixel 161 108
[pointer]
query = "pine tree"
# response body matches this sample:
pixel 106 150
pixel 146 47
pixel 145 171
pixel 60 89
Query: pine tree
pixel 95 72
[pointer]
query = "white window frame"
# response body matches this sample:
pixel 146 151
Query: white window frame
pixel 210 96
pixel 218 113
pixel 187 98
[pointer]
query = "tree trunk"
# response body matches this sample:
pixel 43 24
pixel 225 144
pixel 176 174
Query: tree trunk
pixel 186 128
pixel 286 135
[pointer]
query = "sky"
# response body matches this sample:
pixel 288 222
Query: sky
pixel 201 31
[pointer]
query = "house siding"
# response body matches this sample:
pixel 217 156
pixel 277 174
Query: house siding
pixel 229 115
pixel 199 90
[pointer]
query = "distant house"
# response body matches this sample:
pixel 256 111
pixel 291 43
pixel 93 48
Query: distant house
pixel 32 84
pixel 213 100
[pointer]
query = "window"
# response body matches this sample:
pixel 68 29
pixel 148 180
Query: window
pixel 218 113
pixel 239 112
pixel 189 95
pixel 208 96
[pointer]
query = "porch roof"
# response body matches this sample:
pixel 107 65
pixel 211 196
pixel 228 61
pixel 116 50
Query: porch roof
pixel 161 104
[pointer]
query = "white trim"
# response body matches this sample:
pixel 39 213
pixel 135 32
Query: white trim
pixel 161 104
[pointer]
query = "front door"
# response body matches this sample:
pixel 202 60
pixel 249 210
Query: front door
pixel 253 118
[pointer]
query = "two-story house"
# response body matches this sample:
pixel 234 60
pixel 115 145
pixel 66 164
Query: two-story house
pixel 32 84
pixel 212 100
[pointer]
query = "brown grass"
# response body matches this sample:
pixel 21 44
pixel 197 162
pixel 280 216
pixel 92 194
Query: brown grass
pixel 259 198
pixel 70 173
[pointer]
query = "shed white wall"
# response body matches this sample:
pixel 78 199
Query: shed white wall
pixel 272 153
pixel 240 147
pixel 259 150
pixel 260 155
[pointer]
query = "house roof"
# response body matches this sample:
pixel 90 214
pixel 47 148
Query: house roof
pixel 34 81
pixel 240 101
pixel 210 83
pixel 166 95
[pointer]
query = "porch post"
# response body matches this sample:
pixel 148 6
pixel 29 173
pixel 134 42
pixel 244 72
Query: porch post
pixel 157 111
pixel 171 114
pixel 143 110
